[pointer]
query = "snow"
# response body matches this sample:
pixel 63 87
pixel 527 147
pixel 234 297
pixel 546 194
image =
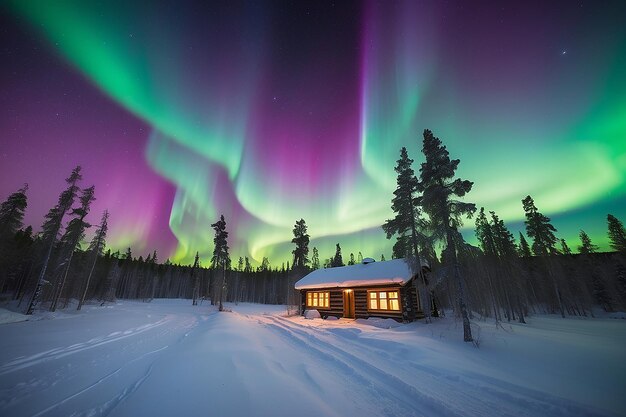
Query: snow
pixel 395 271
pixel 7 316
pixel 312 314
pixel 168 357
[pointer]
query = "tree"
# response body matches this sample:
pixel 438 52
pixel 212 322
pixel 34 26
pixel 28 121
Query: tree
pixel 74 234
pixel 439 189
pixel 539 228
pixel 51 228
pixel 617 233
pixel 564 248
pixel 484 234
pixel 382 257
pixel 96 247
pixel 315 260
pixel 12 214
pixel 337 260
pixel 406 223
pixel 301 239
pixel 220 259
pixel 586 246
pixel 351 261
pixel 195 276
pixel 524 248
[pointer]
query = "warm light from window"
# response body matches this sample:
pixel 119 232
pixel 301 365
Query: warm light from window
pixel 384 300
pixel 318 299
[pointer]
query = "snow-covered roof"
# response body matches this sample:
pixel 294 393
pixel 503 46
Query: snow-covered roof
pixel 395 271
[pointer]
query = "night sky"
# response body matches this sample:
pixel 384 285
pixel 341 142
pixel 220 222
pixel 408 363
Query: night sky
pixel 268 112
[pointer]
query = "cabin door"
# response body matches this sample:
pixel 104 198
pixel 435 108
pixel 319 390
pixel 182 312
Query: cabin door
pixel 348 304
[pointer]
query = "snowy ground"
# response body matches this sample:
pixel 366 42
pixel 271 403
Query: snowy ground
pixel 169 358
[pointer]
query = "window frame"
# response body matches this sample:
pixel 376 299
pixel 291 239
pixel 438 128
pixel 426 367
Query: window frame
pixel 318 293
pixel 387 298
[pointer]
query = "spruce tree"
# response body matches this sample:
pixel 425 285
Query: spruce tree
pixel 51 228
pixel 617 233
pixel 12 215
pixel 406 223
pixel 195 276
pixel 439 189
pixel 70 241
pixel 96 247
pixel 351 261
pixel 337 260
pixel 382 257
pixel 301 240
pixel 586 246
pixel 564 248
pixel 220 259
pixel 539 228
pixel 524 248
pixel 484 234
pixel 315 260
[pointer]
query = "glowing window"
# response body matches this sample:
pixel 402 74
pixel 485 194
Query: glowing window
pixel 384 300
pixel 318 299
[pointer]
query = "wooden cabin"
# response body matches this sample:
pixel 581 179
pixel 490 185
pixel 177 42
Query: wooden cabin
pixel 370 289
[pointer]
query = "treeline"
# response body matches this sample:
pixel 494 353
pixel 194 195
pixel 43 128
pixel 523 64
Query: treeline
pixel 501 278
pixel 49 269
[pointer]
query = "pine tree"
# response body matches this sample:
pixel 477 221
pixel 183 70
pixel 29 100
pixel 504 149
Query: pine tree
pixel 96 247
pixel 301 239
pixel 351 261
pixel 195 276
pixel 221 259
pixel 617 233
pixel 382 257
pixel 586 246
pixel 438 188
pixel 315 260
pixel 74 234
pixel 337 260
pixel 240 264
pixel 564 248
pixel 524 248
pixel 406 224
pixel 359 258
pixel 539 228
pixel 12 215
pixel 51 228
pixel 484 234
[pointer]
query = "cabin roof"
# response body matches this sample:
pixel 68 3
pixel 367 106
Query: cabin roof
pixel 395 271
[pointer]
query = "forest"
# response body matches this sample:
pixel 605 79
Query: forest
pixel 504 278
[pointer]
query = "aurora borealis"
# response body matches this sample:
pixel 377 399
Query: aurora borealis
pixel 268 112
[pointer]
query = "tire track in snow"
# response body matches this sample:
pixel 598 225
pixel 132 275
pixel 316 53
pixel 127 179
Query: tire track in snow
pixel 58 353
pixel 466 391
pixel 399 397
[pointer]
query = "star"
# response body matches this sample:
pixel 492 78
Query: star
pixel 564 52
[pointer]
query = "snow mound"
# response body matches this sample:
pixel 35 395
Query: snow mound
pixel 331 318
pixel 7 316
pixel 380 323
pixel 312 314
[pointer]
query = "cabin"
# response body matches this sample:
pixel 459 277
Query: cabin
pixel 370 289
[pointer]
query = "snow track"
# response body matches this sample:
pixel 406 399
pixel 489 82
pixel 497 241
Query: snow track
pixel 411 389
pixel 170 358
